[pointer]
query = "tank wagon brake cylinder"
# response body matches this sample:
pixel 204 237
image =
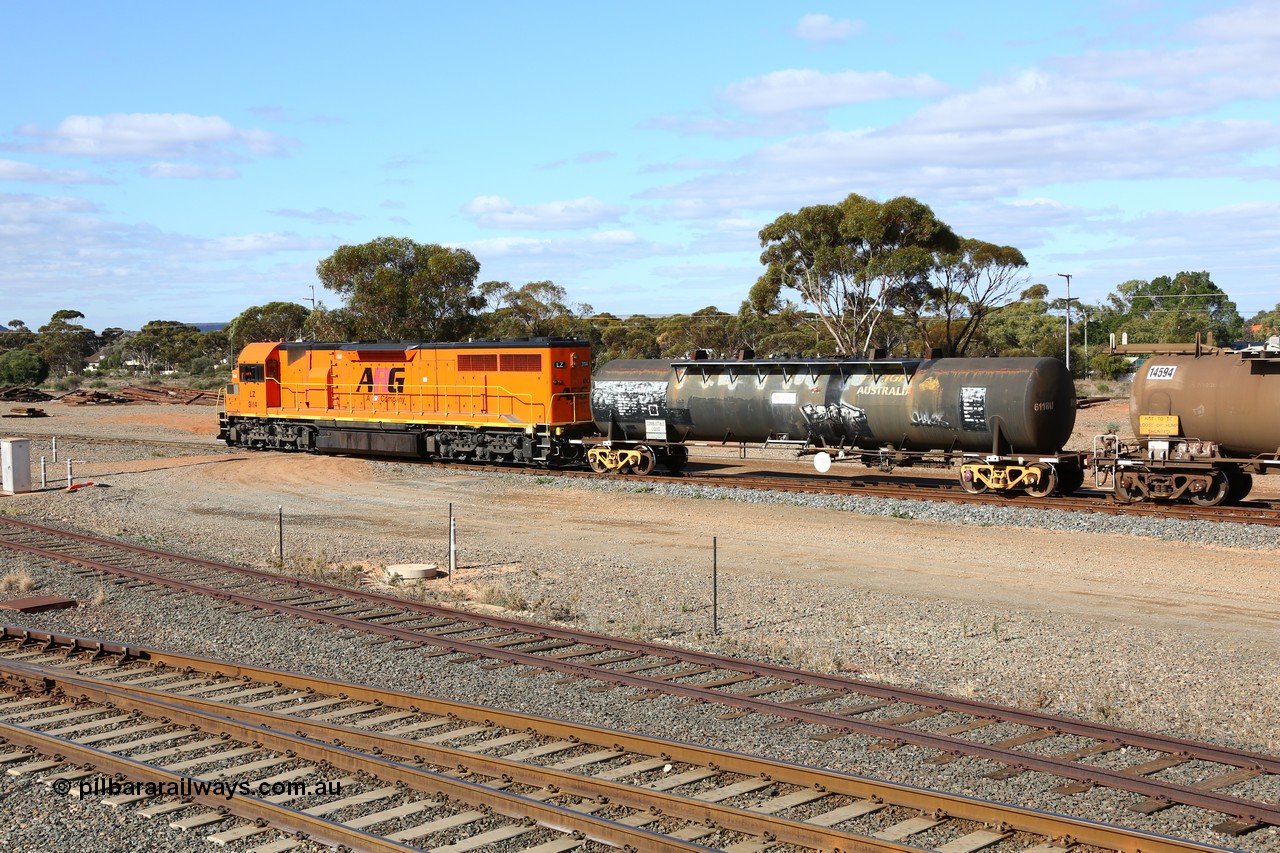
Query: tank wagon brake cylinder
pixel 1003 422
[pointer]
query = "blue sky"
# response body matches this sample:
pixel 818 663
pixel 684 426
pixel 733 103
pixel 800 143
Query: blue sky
pixel 187 161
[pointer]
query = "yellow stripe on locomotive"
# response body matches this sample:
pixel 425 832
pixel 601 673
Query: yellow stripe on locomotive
pixel 524 400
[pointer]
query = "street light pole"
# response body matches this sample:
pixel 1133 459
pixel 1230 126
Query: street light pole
pixel 1067 276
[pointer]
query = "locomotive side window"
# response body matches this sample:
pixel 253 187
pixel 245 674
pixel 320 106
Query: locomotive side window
pixel 252 373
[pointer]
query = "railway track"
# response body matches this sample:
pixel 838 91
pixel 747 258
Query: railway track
pixel 1157 770
pixel 460 776
pixel 871 485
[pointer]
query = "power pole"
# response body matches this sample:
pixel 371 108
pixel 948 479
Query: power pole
pixel 1067 276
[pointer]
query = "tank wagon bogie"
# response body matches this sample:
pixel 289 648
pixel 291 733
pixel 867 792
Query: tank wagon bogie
pixel 1206 422
pixel 1003 421
pixel 519 400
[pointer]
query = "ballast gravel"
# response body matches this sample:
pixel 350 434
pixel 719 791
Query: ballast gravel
pixel 1216 687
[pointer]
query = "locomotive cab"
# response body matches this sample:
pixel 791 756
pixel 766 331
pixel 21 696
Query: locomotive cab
pixel 256 382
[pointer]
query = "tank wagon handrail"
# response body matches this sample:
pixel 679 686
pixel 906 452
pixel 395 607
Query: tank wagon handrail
pixel 709 369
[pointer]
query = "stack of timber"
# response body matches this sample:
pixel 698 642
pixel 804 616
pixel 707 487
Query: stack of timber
pixel 23 394
pixel 85 397
pixel 163 394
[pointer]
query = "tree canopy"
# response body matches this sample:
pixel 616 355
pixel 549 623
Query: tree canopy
pixel 22 367
pixel 64 343
pixel 537 309
pixel 396 289
pixel 274 321
pixel 852 262
pixel 1174 309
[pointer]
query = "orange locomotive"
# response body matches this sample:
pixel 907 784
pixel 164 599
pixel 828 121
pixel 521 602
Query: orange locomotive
pixel 524 400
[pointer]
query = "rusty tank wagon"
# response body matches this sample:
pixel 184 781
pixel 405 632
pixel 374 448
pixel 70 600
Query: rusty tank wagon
pixel 1206 420
pixel 1001 421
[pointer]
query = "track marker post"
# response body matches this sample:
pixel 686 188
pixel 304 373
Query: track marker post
pixel 453 544
pixel 715 590
pixel 280 553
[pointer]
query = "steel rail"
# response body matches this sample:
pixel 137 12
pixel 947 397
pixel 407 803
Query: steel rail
pixel 1247 810
pixel 980 811
pixel 946 491
pixel 248 729
pixel 415 752
pixel 997 713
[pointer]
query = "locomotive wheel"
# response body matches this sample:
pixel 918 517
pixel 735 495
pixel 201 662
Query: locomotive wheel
pixel 644 464
pixel 1046 484
pixel 597 463
pixel 1216 493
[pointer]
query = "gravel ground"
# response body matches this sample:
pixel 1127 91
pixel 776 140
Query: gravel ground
pixel 1206 672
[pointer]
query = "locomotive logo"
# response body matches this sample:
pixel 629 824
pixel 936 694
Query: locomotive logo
pixel 382 379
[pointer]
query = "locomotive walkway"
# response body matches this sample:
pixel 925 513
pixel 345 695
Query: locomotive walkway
pixel 1228 783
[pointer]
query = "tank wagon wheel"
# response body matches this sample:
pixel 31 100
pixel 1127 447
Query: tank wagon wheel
pixel 1239 484
pixel 645 462
pixel 1048 481
pixel 675 459
pixel 597 463
pixel 1122 493
pixel 973 487
pixel 1217 492
pixel 1070 479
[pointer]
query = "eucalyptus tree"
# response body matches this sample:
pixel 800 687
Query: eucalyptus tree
pixel 852 262
pixel 395 289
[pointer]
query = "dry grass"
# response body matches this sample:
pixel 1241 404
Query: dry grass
pixel 17 582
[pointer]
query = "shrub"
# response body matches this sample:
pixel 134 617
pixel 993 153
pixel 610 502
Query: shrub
pixel 20 367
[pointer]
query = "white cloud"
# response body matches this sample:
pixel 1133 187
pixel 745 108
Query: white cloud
pixel 146 135
pixel 595 243
pixel 808 89
pixel 818 27
pixel 970 165
pixel 1036 98
pixel 1250 22
pixel 189 171
pixel 491 211
pixel 13 170
pixel 321 215
pixel 776 124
